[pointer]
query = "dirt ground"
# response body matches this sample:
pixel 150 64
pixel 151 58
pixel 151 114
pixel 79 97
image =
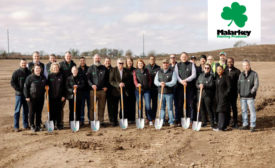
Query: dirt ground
pixel 113 147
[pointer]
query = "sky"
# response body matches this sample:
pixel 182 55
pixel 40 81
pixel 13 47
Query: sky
pixel 169 26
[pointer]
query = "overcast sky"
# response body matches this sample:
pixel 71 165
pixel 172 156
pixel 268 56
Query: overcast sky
pixel 170 26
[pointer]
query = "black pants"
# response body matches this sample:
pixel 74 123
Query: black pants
pixel 35 111
pixel 78 108
pixel 154 100
pixel 116 100
pixel 55 110
pixel 222 121
pixel 130 106
pixel 206 110
pixel 110 106
pixel 233 106
pixel 189 103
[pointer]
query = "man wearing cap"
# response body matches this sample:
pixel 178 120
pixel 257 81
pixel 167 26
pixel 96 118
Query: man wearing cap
pixel 233 74
pixel 186 73
pixel 166 78
pixel 222 61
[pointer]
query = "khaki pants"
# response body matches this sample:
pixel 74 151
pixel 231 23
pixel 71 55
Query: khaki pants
pixel 101 102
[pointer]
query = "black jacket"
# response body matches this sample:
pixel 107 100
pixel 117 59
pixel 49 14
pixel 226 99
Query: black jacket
pixel 222 93
pixel 66 68
pixel 208 85
pixel 70 82
pixel 98 75
pixel 83 72
pixel 153 71
pixel 56 85
pixel 31 65
pixel 248 85
pixel 233 75
pixel 18 79
pixel 114 79
pixel 34 87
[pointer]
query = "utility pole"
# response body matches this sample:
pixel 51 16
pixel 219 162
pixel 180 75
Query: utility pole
pixel 143 44
pixel 8 40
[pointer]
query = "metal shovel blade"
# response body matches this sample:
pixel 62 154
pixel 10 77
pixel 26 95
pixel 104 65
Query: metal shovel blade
pixel 74 126
pixel 185 123
pixel 140 123
pixel 196 126
pixel 158 123
pixel 123 123
pixel 95 125
pixel 49 126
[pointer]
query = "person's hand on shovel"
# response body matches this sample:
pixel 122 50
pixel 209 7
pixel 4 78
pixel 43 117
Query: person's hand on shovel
pixel 184 82
pixel 162 84
pixel 201 86
pixel 75 86
pixel 94 87
pixel 63 99
pixel 121 84
pixel 138 85
pixel 28 99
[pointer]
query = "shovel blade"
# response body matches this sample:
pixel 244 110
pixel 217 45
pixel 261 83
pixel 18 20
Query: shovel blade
pixel 95 125
pixel 158 123
pixel 74 126
pixel 140 123
pixel 196 126
pixel 49 126
pixel 123 123
pixel 185 123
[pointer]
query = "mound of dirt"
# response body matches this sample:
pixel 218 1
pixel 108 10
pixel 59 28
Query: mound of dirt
pixel 265 102
pixel 83 145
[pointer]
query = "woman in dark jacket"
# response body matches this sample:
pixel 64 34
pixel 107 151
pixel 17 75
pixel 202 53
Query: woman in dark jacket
pixel 142 79
pixel 222 98
pixel 34 90
pixel 56 94
pixel 206 81
pixel 75 80
pixel 131 99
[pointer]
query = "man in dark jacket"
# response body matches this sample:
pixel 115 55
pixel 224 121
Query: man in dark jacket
pixel 186 73
pixel 65 70
pixel 247 88
pixel 119 78
pixel 233 74
pixel 98 80
pixel 82 70
pixel 36 60
pixel 109 97
pixel 17 82
pixel 153 68
pixel 207 83
pixel 52 59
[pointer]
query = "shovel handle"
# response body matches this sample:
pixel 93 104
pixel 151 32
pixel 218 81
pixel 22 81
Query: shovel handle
pixel 47 97
pixel 160 101
pixel 184 105
pixel 94 103
pixel 122 104
pixel 199 105
pixel 139 94
pixel 75 99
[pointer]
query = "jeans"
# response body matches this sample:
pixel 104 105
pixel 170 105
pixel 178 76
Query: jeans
pixel 19 102
pixel 251 104
pixel 147 97
pixel 85 98
pixel 167 99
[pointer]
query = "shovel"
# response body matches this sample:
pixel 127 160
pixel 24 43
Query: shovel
pixel 49 124
pixel 185 122
pixel 159 121
pixel 95 125
pixel 123 123
pixel 74 124
pixel 139 121
pixel 196 124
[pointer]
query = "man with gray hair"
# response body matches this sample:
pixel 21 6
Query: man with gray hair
pixel 97 76
pixel 248 84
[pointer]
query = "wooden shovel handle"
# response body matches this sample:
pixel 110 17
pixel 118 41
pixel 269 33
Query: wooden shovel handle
pixel 160 101
pixel 47 97
pixel 139 92
pixel 94 101
pixel 75 98
pixel 184 105
pixel 121 93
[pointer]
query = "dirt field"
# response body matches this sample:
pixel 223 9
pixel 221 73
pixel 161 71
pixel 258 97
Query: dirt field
pixel 113 147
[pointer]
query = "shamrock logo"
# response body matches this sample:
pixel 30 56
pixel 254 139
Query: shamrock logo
pixel 235 13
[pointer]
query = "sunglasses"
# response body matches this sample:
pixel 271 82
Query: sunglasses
pixel 165 63
pixel 172 57
pixel 121 63
pixel 206 68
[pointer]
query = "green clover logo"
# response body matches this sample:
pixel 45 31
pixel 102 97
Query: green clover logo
pixel 235 13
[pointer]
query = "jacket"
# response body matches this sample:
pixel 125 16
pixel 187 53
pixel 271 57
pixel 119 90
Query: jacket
pixel 18 79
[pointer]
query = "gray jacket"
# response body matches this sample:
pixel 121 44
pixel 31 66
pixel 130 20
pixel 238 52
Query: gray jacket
pixel 248 85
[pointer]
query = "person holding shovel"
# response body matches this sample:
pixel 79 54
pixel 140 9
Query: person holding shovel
pixel 97 76
pixel 119 78
pixel 34 90
pixel 75 80
pixel 166 78
pixel 142 79
pixel 223 86
pixel 17 82
pixel 207 83
pixel 56 94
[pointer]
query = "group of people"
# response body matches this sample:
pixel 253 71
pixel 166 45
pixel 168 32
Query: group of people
pixel 220 84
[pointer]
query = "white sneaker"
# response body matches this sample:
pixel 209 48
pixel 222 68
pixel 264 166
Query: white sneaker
pixel 151 123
